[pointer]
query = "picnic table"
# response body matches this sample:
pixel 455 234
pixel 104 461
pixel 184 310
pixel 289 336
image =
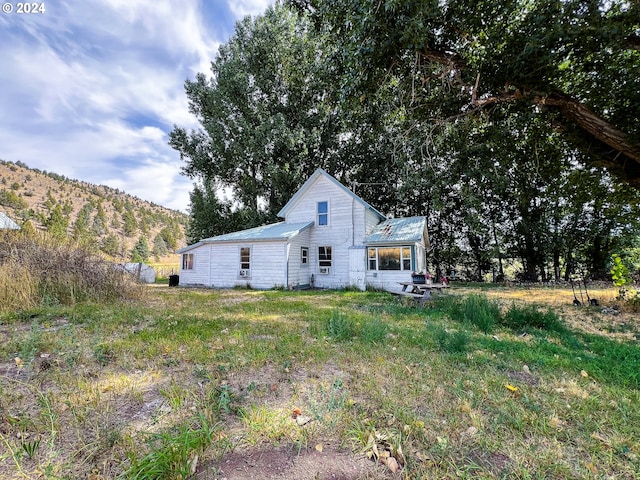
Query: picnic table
pixel 420 292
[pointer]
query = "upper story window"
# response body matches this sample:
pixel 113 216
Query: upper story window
pixel 323 213
pixel 187 261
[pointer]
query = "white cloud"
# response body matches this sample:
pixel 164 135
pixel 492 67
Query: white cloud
pixel 90 90
pixel 242 8
pixel 155 181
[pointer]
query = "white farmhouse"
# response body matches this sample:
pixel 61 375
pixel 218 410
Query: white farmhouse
pixel 330 238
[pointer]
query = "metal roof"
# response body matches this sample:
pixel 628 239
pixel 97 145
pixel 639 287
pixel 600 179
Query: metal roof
pixel 300 193
pixel 398 230
pixel 7 223
pixel 274 231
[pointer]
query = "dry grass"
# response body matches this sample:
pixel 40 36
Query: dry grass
pixel 106 388
pixel 38 271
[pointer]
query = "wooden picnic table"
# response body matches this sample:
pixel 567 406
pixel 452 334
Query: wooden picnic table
pixel 420 292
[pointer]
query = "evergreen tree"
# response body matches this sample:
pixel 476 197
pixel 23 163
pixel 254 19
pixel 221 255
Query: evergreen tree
pixel 140 252
pixel 57 223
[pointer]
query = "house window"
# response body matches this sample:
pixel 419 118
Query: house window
pixel 373 259
pixel 304 256
pixel 389 258
pixel 245 261
pixel 187 261
pixel 324 259
pixel 323 213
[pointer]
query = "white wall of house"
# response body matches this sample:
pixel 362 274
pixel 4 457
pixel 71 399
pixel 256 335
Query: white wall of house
pixel 348 224
pixel 388 280
pixel 199 275
pixel 299 274
pixel 358 266
pixel 267 265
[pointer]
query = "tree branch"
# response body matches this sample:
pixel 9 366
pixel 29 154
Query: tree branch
pixel 590 122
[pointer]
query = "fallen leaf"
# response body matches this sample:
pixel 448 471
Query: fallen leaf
pixel 392 464
pixel 584 374
pixel 598 436
pixel 399 455
pixel 592 468
pixel 303 419
pixel 511 388
pixel 194 464
pixel 19 362
pixel 319 447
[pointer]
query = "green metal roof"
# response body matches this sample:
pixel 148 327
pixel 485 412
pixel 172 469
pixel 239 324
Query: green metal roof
pixel 274 231
pixel 398 230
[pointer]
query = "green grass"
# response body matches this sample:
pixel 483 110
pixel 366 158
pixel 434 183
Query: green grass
pixel 156 388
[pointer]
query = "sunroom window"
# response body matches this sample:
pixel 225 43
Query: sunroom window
pixel 389 258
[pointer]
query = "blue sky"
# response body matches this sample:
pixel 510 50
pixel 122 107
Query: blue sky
pixel 91 89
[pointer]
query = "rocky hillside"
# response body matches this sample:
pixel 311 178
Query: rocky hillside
pixel 121 226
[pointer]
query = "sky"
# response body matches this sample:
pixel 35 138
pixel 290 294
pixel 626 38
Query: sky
pixel 91 89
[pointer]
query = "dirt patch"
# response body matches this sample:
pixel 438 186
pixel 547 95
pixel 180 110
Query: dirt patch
pixel 496 463
pixel 523 378
pixel 289 462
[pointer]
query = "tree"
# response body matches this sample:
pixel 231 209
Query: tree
pixel 140 252
pixel 99 221
pixel 111 245
pixel 130 224
pixel 268 121
pixel 458 58
pixel 81 225
pixel 159 246
pixel 57 223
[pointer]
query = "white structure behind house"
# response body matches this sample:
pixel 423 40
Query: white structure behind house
pixel 330 238
pixel 143 272
pixel 7 224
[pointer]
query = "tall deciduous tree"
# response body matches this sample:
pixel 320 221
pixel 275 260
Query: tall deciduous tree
pixel 268 121
pixel 580 58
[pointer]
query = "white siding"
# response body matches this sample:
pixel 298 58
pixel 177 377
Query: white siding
pixel 346 226
pixel 371 219
pixel 299 274
pixel 223 271
pixel 199 275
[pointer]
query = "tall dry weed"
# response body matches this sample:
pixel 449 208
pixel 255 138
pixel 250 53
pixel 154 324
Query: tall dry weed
pixel 37 270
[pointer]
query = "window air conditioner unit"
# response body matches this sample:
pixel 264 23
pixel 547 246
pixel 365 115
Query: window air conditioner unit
pixel 244 273
pixel 324 270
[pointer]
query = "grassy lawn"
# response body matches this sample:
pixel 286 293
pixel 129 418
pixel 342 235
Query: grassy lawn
pixel 186 381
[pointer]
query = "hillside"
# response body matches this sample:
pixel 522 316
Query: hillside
pixel 97 216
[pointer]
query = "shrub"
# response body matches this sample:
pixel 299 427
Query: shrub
pixel 456 342
pixel 37 270
pixel 340 327
pixel 375 331
pixel 10 199
pixel 519 317
pixel 475 310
